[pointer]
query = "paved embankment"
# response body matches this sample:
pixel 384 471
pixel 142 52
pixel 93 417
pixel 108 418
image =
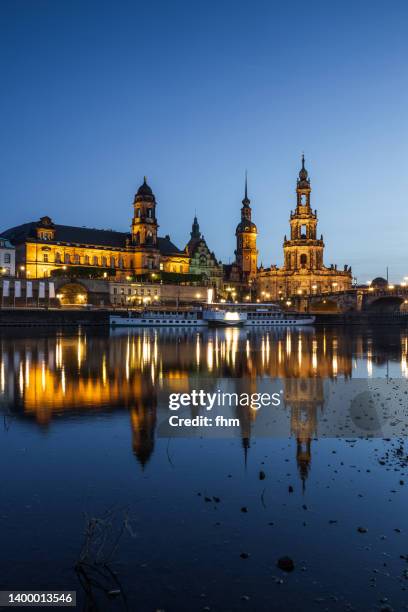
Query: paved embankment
pixel 33 317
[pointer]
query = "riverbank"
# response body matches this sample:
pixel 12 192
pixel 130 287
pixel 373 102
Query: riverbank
pixel 44 317
pixel 51 317
pixel 362 318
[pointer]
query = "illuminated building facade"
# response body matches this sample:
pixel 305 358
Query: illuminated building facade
pixel 7 258
pixel 303 270
pixel 43 246
pixel 203 262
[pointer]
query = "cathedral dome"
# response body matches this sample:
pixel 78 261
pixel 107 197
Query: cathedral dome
pixel 144 190
pixel 379 283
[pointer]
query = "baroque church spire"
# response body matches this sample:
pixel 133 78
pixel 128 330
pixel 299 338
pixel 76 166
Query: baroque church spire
pixel 303 181
pixel 195 229
pixel 246 201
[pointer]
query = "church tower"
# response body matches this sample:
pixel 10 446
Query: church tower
pixel 303 251
pixel 144 222
pixel 246 254
pixel 195 230
pixel 144 243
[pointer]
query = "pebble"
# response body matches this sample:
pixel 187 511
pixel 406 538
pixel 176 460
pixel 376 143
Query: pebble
pixel 286 564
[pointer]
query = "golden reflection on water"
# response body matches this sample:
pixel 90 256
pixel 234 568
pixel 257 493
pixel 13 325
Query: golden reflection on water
pixel 86 372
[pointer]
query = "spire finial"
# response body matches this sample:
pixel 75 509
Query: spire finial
pixel 303 174
pixel 145 180
pixel 246 201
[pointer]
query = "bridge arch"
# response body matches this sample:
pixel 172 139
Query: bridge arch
pixel 385 303
pixel 72 294
pixel 324 305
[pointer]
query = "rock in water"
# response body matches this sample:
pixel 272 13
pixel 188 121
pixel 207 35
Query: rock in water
pixel 286 564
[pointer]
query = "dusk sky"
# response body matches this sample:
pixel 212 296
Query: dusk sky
pixel 97 94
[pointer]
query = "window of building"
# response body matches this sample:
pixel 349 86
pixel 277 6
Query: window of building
pixel 45 257
pixel 86 259
pixel 57 257
pixel 138 213
pixel 112 262
pixel 104 261
pixel 95 260
pixel 7 258
pixel 150 213
pixel 303 259
pixel 76 259
pixel 67 258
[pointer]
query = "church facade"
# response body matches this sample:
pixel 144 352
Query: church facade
pixel 303 271
pixel 203 262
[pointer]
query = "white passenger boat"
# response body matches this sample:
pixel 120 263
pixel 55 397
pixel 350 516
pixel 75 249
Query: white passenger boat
pixel 223 314
pixel 255 315
pixel 159 318
pixel 277 318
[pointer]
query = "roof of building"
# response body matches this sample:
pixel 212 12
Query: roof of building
pixel 167 247
pixel 144 191
pixel 82 235
pixel 379 281
pixel 5 244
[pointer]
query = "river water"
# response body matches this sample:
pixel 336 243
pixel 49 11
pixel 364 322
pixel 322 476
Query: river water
pixel 99 494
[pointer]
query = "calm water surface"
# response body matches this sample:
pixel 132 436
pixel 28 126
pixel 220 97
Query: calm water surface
pixel 191 523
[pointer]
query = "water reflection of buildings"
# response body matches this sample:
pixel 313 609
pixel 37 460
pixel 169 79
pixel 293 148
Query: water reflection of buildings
pixel 84 373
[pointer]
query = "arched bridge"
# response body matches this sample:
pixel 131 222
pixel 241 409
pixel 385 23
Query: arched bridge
pixel 361 299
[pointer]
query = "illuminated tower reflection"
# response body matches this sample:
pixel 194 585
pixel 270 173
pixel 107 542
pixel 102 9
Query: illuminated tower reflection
pixel 86 373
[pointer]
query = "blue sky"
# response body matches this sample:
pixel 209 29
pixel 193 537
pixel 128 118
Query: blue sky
pixel 97 94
